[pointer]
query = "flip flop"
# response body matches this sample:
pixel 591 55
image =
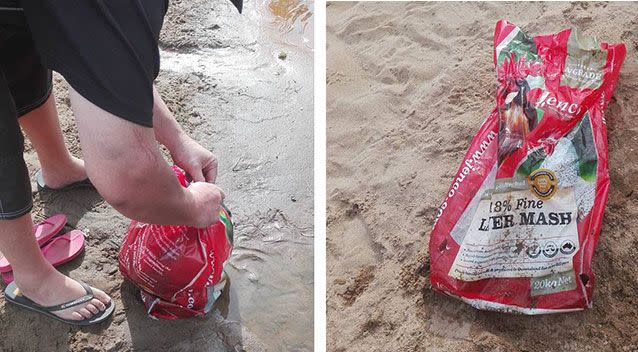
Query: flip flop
pixel 86 183
pixel 43 231
pixel 7 277
pixel 48 228
pixel 13 295
pixel 64 248
pixel 60 250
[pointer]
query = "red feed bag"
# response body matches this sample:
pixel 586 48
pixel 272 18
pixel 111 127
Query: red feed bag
pixel 179 269
pixel 519 225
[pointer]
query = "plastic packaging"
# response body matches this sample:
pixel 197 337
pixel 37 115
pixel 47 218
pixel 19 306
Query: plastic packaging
pixel 519 225
pixel 179 269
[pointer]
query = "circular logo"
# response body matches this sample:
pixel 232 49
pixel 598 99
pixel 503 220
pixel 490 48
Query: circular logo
pixel 533 250
pixel 550 249
pixel 567 247
pixel 543 183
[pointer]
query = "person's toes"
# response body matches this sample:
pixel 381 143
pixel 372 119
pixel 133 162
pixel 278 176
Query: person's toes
pixel 91 308
pixel 77 316
pixel 84 312
pixel 98 304
pixel 100 295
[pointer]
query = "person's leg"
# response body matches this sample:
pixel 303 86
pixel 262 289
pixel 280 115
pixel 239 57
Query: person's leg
pixel 36 278
pixel 59 167
pixel 112 100
pixel 30 85
pixel 126 167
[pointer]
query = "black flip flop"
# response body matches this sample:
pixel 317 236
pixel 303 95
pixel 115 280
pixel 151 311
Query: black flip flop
pixel 13 295
pixel 43 187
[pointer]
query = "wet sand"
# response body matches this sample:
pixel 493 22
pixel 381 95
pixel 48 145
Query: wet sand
pixel 223 79
pixel 408 86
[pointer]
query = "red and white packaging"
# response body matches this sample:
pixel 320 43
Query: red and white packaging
pixel 519 225
pixel 179 269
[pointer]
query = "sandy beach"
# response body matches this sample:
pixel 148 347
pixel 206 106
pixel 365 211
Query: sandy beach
pixel 408 86
pixel 223 78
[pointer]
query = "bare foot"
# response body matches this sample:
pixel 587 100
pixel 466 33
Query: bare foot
pixel 59 176
pixel 55 288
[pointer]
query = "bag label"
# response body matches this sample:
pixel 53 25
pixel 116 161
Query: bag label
pixel 514 233
pixel 553 283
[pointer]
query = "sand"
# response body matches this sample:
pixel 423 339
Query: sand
pixel 408 86
pixel 222 78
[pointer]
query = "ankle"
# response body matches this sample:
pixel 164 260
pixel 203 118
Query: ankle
pixel 64 171
pixel 60 164
pixel 34 281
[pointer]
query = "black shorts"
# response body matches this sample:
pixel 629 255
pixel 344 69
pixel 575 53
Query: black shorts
pixel 107 51
pixel 24 85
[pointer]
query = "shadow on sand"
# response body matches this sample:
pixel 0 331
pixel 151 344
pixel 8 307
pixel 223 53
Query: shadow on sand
pixel 219 330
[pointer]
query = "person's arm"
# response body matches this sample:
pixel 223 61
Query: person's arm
pixel 124 163
pixel 198 162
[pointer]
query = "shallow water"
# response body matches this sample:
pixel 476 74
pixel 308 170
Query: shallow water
pixel 284 21
pixel 258 120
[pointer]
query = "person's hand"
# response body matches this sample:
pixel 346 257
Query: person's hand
pixel 199 163
pixel 206 199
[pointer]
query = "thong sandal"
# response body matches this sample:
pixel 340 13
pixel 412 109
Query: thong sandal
pixel 86 183
pixel 48 228
pixel 13 295
pixel 43 232
pixel 60 250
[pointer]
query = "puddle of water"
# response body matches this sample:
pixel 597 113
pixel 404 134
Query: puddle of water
pixel 269 300
pixel 286 21
pixel 221 64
